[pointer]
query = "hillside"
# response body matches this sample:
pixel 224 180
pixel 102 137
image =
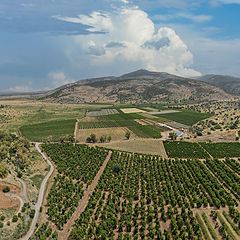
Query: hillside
pixel 138 86
pixel 229 84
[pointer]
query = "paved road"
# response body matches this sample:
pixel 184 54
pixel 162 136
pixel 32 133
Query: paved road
pixel 40 195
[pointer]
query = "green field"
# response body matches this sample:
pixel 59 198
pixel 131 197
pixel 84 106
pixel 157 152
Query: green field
pixel 185 150
pixel 146 131
pixel 223 150
pixel 186 117
pixel 54 129
pixel 121 117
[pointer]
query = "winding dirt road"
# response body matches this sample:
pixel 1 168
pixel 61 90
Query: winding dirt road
pixel 40 195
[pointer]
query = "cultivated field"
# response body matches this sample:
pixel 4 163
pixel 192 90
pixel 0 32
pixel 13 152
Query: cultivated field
pixel 185 150
pixel 116 133
pixel 145 146
pixel 186 117
pixel 141 196
pixel 132 110
pixel 102 112
pixel 52 130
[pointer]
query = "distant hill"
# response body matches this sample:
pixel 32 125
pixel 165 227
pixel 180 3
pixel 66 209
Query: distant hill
pixel 135 87
pixel 229 84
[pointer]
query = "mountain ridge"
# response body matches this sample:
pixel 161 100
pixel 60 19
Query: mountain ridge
pixel 134 87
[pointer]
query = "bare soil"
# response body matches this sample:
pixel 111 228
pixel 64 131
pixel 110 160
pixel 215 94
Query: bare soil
pixel 6 200
pixel 144 146
pixel 116 133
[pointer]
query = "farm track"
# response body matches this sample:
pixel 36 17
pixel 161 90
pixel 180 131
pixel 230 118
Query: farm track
pixel 205 151
pixel 64 234
pixel 40 196
pixel 76 129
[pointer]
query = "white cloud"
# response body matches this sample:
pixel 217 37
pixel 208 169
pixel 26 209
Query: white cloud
pixel 97 21
pixel 59 79
pixel 195 18
pixel 21 88
pixel 144 46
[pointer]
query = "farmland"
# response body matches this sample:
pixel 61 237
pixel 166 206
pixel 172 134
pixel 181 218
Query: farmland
pixel 185 150
pixel 119 121
pixel 80 169
pixel 102 112
pixel 116 133
pixel 146 200
pixel 54 130
pixel 142 196
pixel 223 150
pixel 186 117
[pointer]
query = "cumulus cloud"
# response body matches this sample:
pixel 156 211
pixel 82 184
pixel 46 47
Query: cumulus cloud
pixel 97 21
pixel 131 38
pixel 59 79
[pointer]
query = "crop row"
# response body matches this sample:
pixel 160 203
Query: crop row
pixel 106 124
pixel 77 165
pixel 185 150
pixel 179 149
pixel 145 197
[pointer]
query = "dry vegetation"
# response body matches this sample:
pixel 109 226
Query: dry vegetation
pixel 116 133
pixel 145 146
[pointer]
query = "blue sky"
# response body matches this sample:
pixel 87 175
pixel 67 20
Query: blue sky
pixel 46 43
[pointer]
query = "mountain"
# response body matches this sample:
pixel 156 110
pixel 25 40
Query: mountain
pixel 229 84
pixel 135 87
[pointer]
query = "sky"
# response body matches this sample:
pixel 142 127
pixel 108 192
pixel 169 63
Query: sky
pixel 47 43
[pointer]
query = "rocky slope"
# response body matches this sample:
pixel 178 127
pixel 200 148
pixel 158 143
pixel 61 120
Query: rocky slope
pixel 135 87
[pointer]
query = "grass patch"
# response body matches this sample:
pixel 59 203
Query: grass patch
pixel 184 150
pixel 55 129
pixel 186 117
pixel 37 180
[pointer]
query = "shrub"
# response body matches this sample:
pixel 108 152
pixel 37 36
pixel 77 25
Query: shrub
pixel 15 218
pixel 6 189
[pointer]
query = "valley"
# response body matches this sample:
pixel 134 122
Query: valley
pixel 156 170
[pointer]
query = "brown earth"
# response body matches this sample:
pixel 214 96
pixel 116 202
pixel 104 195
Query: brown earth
pixel 6 201
pixel 116 133
pixel 144 146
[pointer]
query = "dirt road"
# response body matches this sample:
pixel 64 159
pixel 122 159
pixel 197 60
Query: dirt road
pixel 40 195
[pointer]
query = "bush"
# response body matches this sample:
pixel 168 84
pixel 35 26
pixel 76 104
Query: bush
pixel 15 218
pixel 116 169
pixel 91 139
pixel 32 213
pixel 6 189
